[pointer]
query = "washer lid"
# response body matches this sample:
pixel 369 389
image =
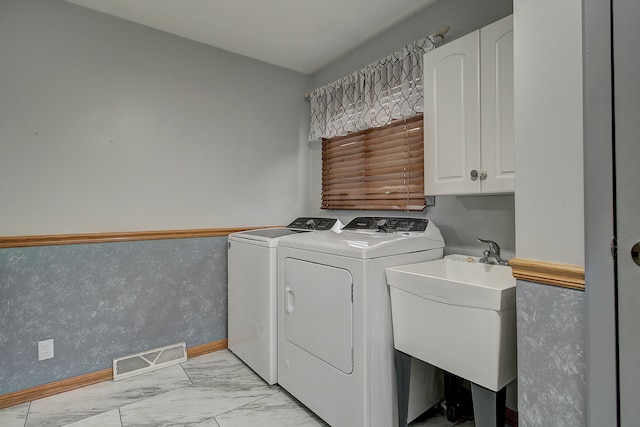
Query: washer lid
pixel 367 245
pixel 271 236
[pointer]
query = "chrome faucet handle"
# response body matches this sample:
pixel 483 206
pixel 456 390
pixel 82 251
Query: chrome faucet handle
pixel 493 246
pixel 492 252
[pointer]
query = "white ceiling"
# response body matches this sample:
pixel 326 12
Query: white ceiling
pixel 302 35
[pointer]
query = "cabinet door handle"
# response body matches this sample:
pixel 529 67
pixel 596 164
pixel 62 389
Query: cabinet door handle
pixel 475 174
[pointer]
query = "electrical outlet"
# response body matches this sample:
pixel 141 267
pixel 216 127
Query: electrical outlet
pixel 45 349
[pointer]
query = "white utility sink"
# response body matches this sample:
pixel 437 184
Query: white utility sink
pixel 459 315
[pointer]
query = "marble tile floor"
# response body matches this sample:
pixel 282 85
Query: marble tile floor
pixel 213 390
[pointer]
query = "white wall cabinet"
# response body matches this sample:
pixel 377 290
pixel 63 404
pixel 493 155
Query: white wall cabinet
pixel 468 130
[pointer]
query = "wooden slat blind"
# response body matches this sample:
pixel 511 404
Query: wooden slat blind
pixel 379 169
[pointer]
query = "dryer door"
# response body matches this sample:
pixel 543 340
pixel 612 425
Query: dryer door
pixel 318 311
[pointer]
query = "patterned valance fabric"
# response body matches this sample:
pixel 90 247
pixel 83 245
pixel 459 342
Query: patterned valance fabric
pixel 373 96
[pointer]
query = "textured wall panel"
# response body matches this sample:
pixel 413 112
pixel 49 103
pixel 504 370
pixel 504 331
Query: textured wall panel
pixel 101 301
pixel 551 356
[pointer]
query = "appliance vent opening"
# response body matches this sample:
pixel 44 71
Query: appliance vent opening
pixel 150 360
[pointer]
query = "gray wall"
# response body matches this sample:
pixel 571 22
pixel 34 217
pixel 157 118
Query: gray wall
pixel 462 219
pixel 463 16
pixel 107 125
pixel 101 301
pixel 551 356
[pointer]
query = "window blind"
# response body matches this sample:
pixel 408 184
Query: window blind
pixel 376 169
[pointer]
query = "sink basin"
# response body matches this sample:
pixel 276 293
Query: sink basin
pixel 459 315
pixel 459 280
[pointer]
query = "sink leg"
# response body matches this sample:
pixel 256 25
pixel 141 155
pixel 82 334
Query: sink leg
pixel 488 406
pixel 403 377
pixel 457 397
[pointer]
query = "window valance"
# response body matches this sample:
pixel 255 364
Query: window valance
pixel 386 90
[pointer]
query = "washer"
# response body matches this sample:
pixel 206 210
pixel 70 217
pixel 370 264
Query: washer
pixel 335 341
pixel 252 289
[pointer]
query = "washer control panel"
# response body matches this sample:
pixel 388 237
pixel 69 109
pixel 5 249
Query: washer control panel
pixel 377 224
pixel 310 223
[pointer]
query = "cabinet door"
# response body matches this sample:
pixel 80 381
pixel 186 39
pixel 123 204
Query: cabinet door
pixel 496 89
pixel 452 117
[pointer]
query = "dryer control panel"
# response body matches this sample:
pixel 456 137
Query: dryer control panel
pixel 372 224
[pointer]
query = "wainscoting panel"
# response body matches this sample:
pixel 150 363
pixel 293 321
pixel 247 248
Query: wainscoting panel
pixel 551 356
pixel 100 301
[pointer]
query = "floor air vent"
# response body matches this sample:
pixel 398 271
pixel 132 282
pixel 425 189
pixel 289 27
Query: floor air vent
pixel 150 360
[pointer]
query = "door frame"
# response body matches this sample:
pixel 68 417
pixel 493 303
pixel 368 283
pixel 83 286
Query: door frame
pixel 599 196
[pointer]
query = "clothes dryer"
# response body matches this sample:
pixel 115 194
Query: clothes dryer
pixel 252 289
pixel 335 341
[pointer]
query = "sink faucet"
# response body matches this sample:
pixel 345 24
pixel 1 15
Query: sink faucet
pixel 492 253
